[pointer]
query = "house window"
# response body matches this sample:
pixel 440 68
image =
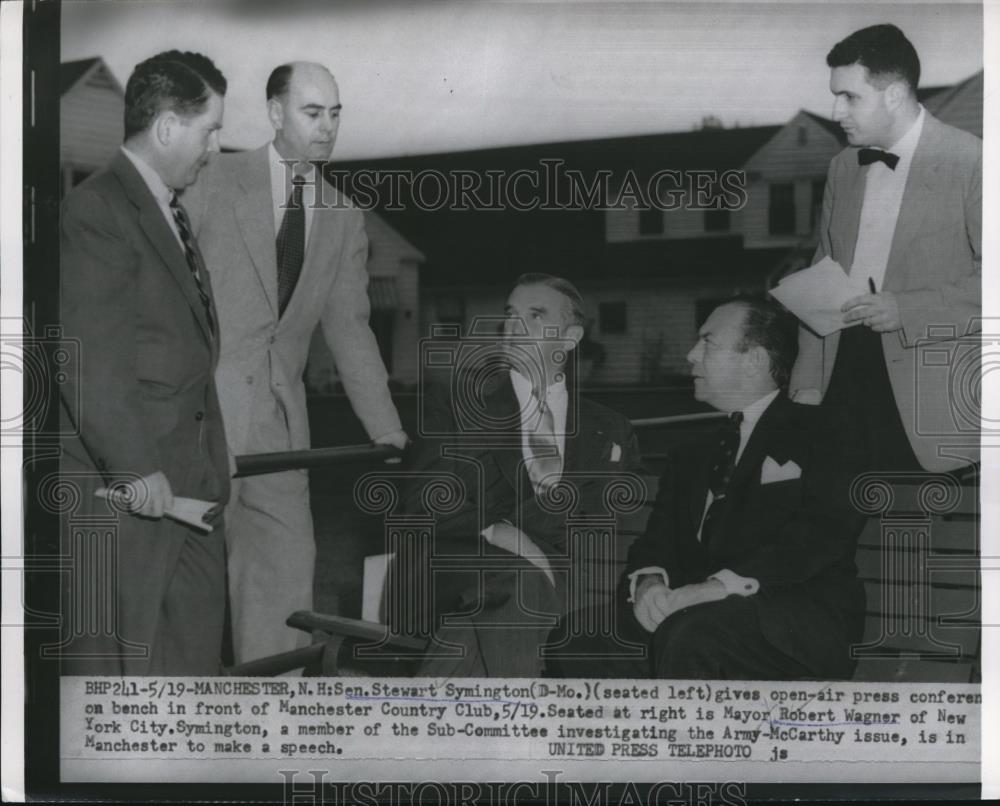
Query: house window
pixel 803 136
pixel 781 209
pixel 816 209
pixel 651 221
pixel 612 317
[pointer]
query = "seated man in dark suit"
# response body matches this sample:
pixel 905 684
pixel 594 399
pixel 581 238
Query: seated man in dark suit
pixel 519 443
pixel 746 569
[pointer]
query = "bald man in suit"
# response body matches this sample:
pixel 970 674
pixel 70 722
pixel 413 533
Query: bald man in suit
pixel 287 252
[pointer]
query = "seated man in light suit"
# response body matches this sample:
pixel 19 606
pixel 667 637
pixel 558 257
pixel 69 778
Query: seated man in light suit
pixel 532 432
pixel 746 569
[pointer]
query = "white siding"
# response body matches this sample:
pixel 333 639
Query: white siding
pixel 91 125
pixel 622 224
pixel 785 159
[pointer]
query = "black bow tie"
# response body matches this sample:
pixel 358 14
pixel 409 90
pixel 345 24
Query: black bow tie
pixel 866 156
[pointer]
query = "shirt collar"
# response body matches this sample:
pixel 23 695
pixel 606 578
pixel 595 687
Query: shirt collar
pixel 154 182
pixel 753 412
pixel 525 391
pixel 907 144
pixel 280 177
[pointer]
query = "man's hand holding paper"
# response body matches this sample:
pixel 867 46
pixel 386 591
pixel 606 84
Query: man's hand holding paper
pixel 879 311
pixel 819 296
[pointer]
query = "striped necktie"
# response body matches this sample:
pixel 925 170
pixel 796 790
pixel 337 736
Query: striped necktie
pixel 545 465
pixel 191 255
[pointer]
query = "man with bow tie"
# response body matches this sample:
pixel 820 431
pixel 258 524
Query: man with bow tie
pixel 902 213
pixel 519 438
pixel 746 568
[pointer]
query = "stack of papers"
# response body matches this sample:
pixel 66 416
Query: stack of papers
pixel 815 295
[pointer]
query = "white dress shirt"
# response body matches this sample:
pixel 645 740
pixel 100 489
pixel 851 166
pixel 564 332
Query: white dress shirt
pixel 556 400
pixel 158 188
pixel 731 581
pixel 883 197
pixel 281 188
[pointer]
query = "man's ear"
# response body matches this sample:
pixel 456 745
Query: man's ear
pixel 756 361
pixel 164 125
pixel 895 94
pixel 276 113
pixel 574 333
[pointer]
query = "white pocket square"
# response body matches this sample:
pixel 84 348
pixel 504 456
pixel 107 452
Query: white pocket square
pixel 771 471
pixel 616 452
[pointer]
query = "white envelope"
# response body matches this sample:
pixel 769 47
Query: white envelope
pixel 616 452
pixel 771 471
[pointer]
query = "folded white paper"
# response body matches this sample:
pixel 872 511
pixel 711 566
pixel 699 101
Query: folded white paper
pixel 815 295
pixel 189 511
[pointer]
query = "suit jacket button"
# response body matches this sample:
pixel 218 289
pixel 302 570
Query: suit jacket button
pixel 249 378
pixel 199 415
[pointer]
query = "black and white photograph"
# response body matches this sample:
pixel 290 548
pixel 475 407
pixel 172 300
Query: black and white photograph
pixel 498 401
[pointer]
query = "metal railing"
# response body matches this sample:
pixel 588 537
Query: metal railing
pixel 257 464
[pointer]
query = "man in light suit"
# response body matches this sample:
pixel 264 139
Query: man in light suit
pixel 902 214
pixel 142 404
pixel 287 251
pixel 746 568
pixel 510 432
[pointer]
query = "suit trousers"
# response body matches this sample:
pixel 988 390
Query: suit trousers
pixel 713 641
pixel 271 558
pixel 498 624
pixel 166 591
pixel 861 395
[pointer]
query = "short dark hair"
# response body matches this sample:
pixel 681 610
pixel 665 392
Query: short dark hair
pixel 564 287
pixel 884 50
pixel 277 82
pixel 767 324
pixel 175 80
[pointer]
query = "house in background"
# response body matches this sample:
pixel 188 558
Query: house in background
pixel 91 129
pixel 91 119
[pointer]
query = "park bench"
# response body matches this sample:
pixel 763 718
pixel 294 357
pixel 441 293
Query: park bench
pixel 918 557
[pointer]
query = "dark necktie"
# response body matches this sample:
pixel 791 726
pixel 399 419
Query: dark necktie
pixel 291 244
pixel 720 473
pixel 191 255
pixel 866 156
pixel 545 465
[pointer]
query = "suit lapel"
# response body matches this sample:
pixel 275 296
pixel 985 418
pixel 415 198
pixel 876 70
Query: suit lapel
pixel 256 221
pixel 763 441
pixel 917 197
pixel 854 191
pixel 161 236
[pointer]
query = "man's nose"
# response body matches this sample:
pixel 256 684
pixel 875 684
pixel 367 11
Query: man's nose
pixel 839 112
pixel 213 142
pixel 692 356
